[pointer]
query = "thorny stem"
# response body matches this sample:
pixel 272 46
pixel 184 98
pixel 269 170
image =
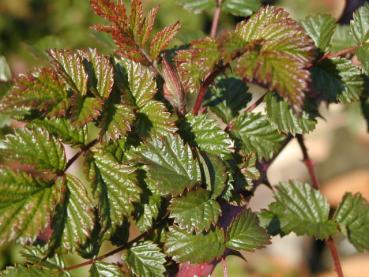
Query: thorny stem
pixel 216 17
pixel 310 166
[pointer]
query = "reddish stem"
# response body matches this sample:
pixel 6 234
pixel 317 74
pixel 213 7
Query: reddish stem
pixel 340 53
pixel 255 104
pixel 310 166
pixel 216 17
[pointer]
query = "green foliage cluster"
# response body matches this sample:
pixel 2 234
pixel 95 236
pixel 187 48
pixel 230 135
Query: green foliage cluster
pixel 170 142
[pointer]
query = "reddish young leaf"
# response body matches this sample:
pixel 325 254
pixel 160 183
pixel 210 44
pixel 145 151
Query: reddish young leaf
pixel 162 39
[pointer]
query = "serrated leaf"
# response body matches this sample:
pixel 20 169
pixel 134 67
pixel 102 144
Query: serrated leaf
pixel 249 169
pixel 196 63
pixel 195 211
pixel 303 210
pixel 215 173
pixel 148 211
pixel 26 205
pixel 352 216
pixel 85 109
pixel 145 259
pixel 341 38
pixel 257 135
pixel 63 129
pixel 156 119
pixel 337 80
pixel 42 91
pixel 285 119
pixel 362 54
pixel 162 39
pixel 276 53
pixel 101 269
pixel 208 136
pixel 100 71
pixel 142 84
pixel 31 271
pixel 35 147
pixel 199 248
pixel 321 29
pixel 227 97
pixel 37 255
pixel 245 233
pixel 117 121
pixel 70 66
pixel 115 186
pixel 360 24
pixel 197 6
pixel 170 164
pixel 74 218
pixel 241 7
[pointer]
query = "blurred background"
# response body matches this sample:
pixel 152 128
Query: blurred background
pixel 339 146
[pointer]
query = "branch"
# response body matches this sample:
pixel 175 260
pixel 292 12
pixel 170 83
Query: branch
pixel 216 17
pixel 310 166
pixel 255 104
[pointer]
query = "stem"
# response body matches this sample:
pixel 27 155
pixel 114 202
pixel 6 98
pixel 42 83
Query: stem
pixel 340 53
pixel 310 166
pixel 216 17
pixel 255 104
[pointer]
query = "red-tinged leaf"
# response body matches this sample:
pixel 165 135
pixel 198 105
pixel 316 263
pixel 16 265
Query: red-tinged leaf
pixel 136 18
pixel 149 25
pixel 173 90
pixel 101 79
pixel 43 91
pixel 69 64
pixel 163 38
pixel 114 12
pixel 196 63
pixel 85 109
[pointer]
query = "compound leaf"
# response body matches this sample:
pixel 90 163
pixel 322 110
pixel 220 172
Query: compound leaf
pixel 170 164
pixel 145 259
pixel 195 211
pixel 245 233
pixel 321 29
pixel 352 216
pixel 163 38
pixel 257 135
pixel 35 147
pixel 284 118
pixel 199 248
pixel 85 109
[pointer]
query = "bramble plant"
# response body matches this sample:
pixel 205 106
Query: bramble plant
pixel 170 142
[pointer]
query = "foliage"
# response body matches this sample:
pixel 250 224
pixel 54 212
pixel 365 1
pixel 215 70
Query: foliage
pixel 170 143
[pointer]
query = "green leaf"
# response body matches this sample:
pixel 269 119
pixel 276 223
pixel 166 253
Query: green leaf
pixel 197 6
pixel 196 63
pixel 42 91
pixel 228 97
pixel 85 109
pixel 241 7
pixel 249 169
pixel 37 255
pixel 209 137
pixel 148 211
pixel 301 209
pixel 162 39
pixel 215 174
pixel 170 164
pixel 199 248
pixel 35 147
pixel 63 129
pixel 362 54
pixel 142 84
pixel 101 269
pixel 360 24
pixel 245 233
pixel 321 29
pixel 5 72
pixel 337 80
pixel 257 135
pixel 74 217
pixel 276 53
pixel 145 259
pixel 115 186
pixel 341 39
pixel 117 120
pixel 352 216
pixel 195 211
pixel 69 64
pixel 101 75
pixel 31 271
pixel 156 120
pixel 284 118
pixel 26 205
